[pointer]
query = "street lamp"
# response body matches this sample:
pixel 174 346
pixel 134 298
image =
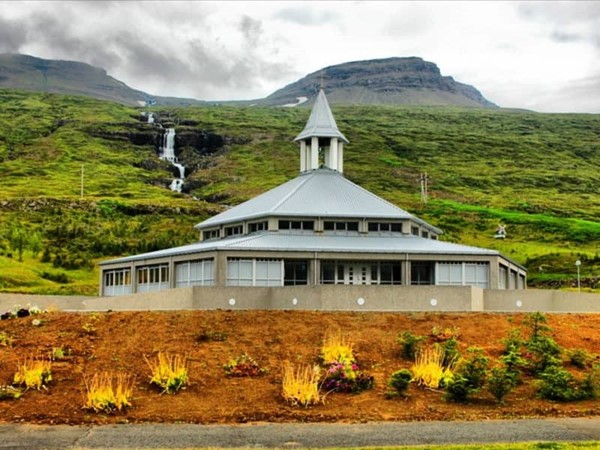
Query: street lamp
pixel 578 263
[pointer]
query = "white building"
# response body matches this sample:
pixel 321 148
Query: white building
pixel 318 228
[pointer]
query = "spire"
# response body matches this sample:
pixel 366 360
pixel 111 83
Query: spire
pixel 321 122
pixel 321 132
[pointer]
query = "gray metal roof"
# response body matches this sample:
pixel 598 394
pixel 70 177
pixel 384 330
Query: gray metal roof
pixel 317 193
pixel 321 122
pixel 278 241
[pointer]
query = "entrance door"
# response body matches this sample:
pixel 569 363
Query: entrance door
pixel 357 273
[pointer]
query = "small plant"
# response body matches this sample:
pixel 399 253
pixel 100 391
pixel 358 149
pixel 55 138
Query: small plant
pixel 105 393
pixel 409 344
pixel 579 358
pixel 33 374
pixel 442 334
pixel 169 372
pixel 209 335
pixel 346 377
pixel 500 382
pixel 429 370
pixel 301 386
pixel 542 352
pixel 469 376
pixel 59 353
pixel 10 393
pixel 451 351
pixel 5 340
pixel 243 366
pixel 399 382
pixel 89 327
pixel 536 322
pixel 557 383
pixel 336 349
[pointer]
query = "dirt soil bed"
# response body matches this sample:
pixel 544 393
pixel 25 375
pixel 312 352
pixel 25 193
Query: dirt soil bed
pixel 118 341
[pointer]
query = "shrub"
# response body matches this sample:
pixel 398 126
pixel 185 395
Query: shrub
pixel 33 374
pixel 169 372
pixel 409 344
pixel 442 334
pixel 301 386
pixel 59 353
pixel 542 352
pixel 5 340
pixel 108 393
pixel 590 386
pixel 243 366
pixel 537 325
pixel 451 352
pixel 469 376
pixel 579 358
pixel 346 377
pixel 514 342
pixel 399 382
pixel 429 370
pixel 209 335
pixel 336 349
pixel 556 383
pixel 500 382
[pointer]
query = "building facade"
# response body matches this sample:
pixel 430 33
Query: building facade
pixel 318 228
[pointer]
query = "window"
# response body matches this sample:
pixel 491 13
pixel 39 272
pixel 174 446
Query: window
pixel 385 227
pixel 153 278
pixel 117 282
pixel 422 273
pixel 361 272
pixel 340 226
pixel 254 272
pixel 296 225
pixel 521 282
pixel 502 275
pixel 414 231
pixel 234 230
pixel 211 234
pixel 295 272
pixel 194 273
pixel 425 234
pixel 258 226
pixel 462 274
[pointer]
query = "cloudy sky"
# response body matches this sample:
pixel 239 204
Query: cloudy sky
pixel 537 55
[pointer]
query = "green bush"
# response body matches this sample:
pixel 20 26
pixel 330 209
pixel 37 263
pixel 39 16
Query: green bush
pixel 579 358
pixel 469 376
pixel 409 344
pixel 542 352
pixel 500 381
pixel 557 383
pixel 451 352
pixel 399 382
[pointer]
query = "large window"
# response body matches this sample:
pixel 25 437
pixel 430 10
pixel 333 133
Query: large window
pixel 422 273
pixel 296 225
pixel 258 226
pixel 295 272
pixel 502 276
pixel 194 273
pixel 385 227
pixel 463 274
pixel 153 278
pixel 254 272
pixel 340 226
pixel 234 230
pixel 361 272
pixel 117 282
pixel 211 234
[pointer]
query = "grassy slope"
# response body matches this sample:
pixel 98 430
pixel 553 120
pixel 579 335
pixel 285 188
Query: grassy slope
pixel 535 172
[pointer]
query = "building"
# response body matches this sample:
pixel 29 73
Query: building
pixel 318 228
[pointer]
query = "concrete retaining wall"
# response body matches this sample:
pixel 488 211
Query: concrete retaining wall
pixel 324 297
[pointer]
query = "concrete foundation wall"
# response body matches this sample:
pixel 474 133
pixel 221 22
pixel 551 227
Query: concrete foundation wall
pixel 324 298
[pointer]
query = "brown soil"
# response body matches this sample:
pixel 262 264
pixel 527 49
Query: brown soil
pixel 120 340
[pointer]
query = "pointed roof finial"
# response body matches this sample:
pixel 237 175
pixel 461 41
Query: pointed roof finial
pixel 321 122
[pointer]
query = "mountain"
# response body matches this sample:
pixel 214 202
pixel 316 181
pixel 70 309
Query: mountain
pixel 76 78
pixel 391 81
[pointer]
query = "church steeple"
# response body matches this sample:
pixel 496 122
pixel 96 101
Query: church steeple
pixel 321 132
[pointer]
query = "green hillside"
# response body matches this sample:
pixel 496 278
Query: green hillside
pixel 536 173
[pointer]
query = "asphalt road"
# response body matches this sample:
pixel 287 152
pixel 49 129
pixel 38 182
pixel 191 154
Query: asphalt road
pixel 138 436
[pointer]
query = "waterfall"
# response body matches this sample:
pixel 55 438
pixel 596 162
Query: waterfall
pixel 150 117
pixel 167 153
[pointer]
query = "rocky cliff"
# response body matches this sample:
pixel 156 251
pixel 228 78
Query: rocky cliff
pixel 410 81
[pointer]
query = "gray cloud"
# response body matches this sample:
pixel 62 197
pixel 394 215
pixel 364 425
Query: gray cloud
pixel 12 36
pixel 251 29
pixel 306 16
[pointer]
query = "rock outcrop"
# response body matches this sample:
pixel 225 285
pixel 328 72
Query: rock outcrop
pixel 410 81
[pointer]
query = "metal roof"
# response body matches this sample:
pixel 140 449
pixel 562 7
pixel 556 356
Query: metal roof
pixel 317 193
pixel 321 122
pixel 279 241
